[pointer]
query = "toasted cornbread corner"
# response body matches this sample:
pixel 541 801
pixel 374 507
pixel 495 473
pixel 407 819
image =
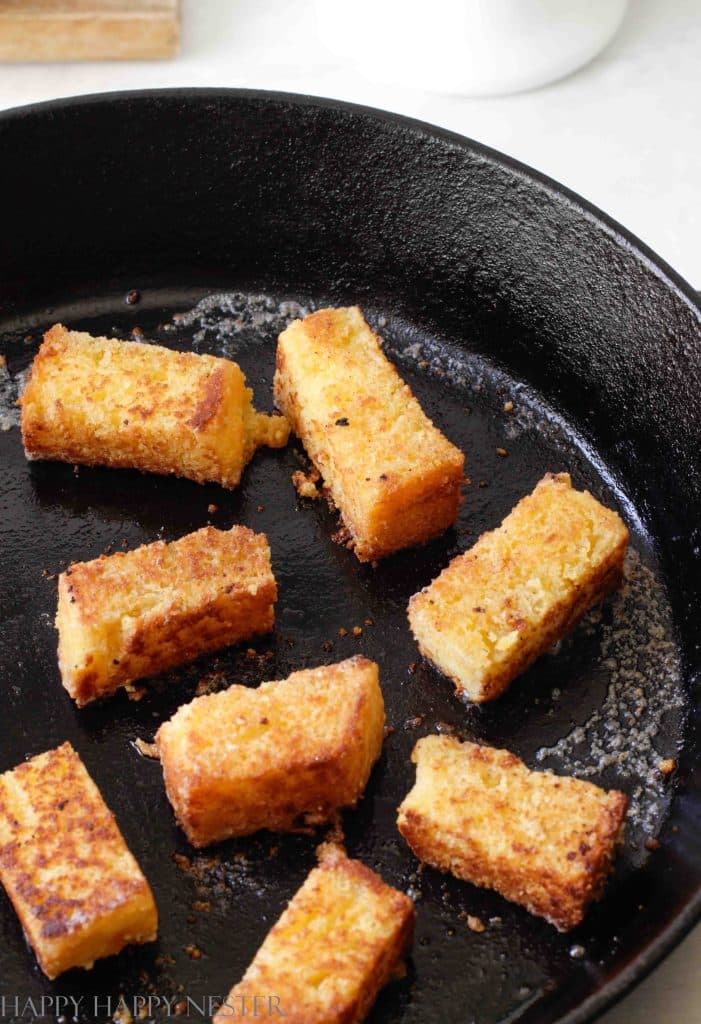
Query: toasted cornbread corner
pixel 342 937
pixel 133 614
pixel 76 888
pixel 391 473
pixel 100 401
pixel 542 840
pixel 273 757
pixel 499 606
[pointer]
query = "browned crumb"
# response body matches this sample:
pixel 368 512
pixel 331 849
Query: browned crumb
pixel 305 484
pixel 343 631
pixel 203 906
pixel 412 668
pixel 210 683
pixel 502 453
pixel 369 622
pixel 652 843
pixel 135 692
pixel 327 645
pixel 3 361
pixel 388 730
pixel 342 536
pixel 137 332
pixel 357 631
pixel 194 952
pixel 414 723
pixel 183 862
pixel 508 406
pixel 212 509
pixel 251 653
pixel 475 924
pixel 122 1015
pixel 334 841
pixel 180 1008
pixel 147 749
pixel 667 766
pixel 483 483
pixel 260 508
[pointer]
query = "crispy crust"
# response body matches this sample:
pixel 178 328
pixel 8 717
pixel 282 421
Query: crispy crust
pixel 134 614
pixel 541 840
pixel 99 401
pixel 340 940
pixel 393 476
pixel 495 609
pixel 304 746
pixel 76 888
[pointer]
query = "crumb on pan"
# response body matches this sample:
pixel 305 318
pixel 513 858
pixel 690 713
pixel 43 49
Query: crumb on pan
pixel 306 484
pixel 474 923
pixel 149 750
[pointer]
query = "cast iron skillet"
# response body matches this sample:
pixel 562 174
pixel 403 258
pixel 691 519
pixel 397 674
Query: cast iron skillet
pixel 491 284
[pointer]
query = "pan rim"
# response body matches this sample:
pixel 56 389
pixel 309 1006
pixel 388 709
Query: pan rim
pixel 672 935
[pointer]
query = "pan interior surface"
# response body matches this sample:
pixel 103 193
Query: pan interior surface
pixel 608 704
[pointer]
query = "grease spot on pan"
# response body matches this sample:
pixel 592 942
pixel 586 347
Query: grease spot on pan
pixel 641 660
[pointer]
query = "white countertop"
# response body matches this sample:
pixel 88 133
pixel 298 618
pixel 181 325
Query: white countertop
pixel 625 132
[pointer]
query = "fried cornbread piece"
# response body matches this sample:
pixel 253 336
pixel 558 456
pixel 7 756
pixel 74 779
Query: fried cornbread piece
pixel 541 840
pixel 391 473
pixel 76 888
pixel 100 401
pixel 133 614
pixel 245 759
pixel 342 937
pixel 499 606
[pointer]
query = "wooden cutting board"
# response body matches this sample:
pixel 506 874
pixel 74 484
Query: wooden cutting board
pixel 58 30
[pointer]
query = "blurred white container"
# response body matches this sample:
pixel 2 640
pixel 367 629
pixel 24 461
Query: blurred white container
pixel 478 47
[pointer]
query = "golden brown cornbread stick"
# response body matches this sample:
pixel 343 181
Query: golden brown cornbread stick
pixel 341 939
pixel 76 888
pixel 541 840
pixel 100 401
pixel 245 759
pixel 133 614
pixel 391 473
pixel 500 605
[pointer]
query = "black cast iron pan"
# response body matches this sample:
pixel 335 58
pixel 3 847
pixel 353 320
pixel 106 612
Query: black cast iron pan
pixel 491 285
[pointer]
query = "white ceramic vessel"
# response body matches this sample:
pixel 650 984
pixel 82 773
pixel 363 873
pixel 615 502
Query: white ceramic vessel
pixel 476 47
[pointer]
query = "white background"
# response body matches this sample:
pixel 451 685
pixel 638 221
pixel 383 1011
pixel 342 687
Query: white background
pixel 625 132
